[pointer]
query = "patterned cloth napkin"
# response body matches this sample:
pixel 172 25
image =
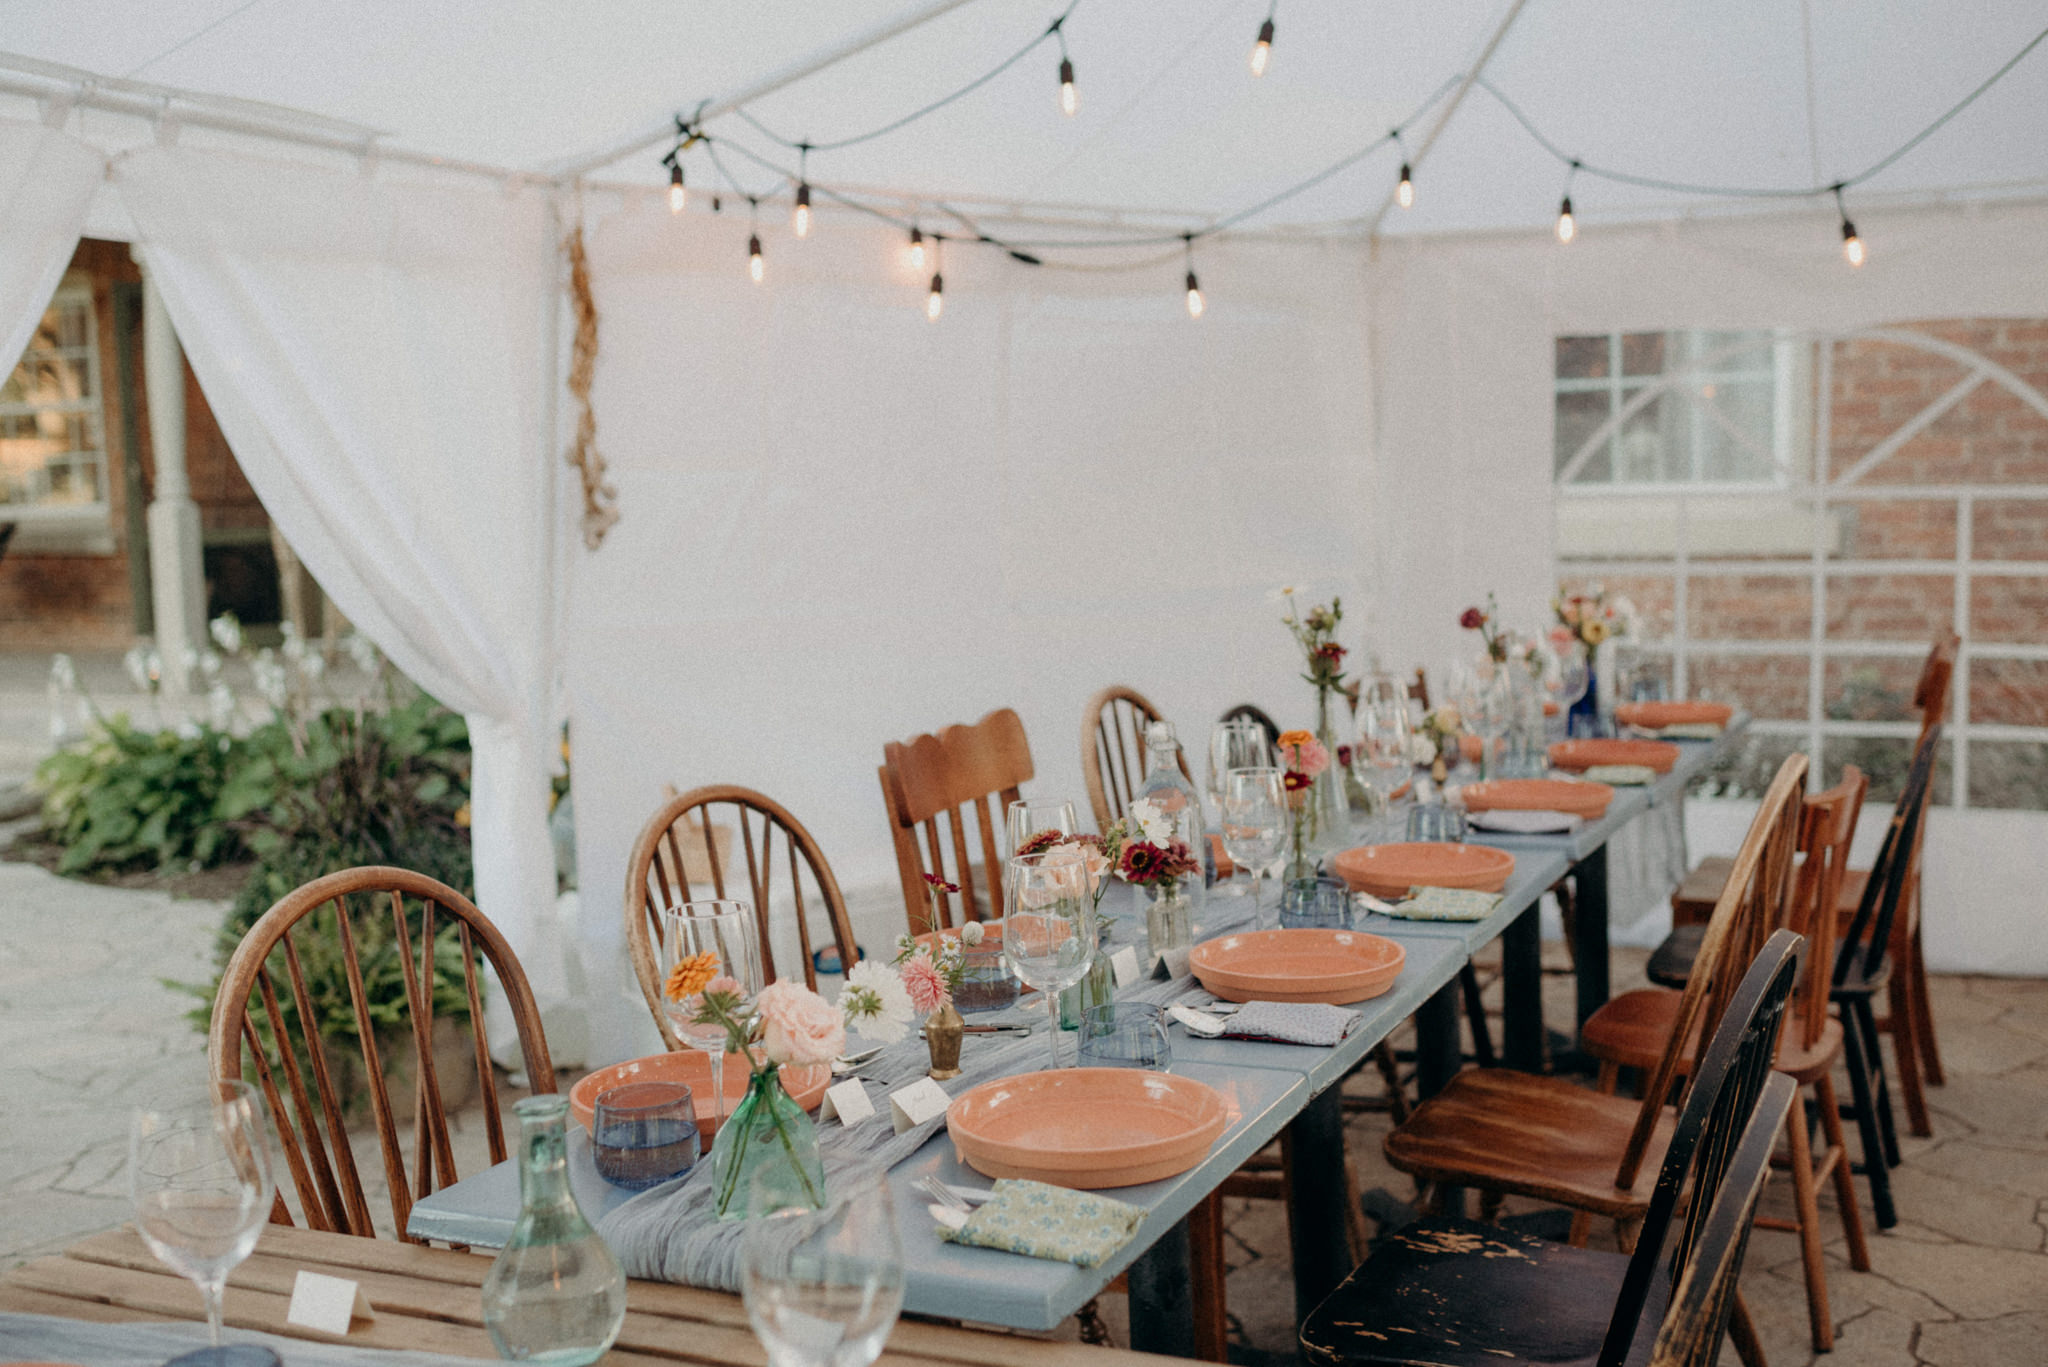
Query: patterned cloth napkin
pixel 1446 904
pixel 1622 775
pixel 1312 1023
pixel 1041 1221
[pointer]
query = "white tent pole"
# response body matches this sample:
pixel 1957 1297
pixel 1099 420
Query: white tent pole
pixel 1464 88
pixel 651 134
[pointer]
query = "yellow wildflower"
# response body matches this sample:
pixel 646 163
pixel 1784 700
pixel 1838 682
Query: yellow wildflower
pixel 1593 630
pixel 1288 738
pixel 689 976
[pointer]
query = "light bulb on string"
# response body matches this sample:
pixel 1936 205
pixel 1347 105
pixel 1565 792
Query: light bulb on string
pixel 1852 245
pixel 916 250
pixel 756 268
pixel 1567 226
pixel 678 193
pixel 1196 304
pixel 1404 193
pixel 1070 98
pixel 935 301
pixel 800 213
pixel 1262 50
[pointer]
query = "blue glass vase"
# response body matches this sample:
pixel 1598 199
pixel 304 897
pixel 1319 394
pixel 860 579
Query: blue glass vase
pixel 1584 717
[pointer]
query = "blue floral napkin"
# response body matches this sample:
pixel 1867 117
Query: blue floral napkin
pixel 1042 1221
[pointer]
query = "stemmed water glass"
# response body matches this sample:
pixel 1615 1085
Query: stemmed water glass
pixel 1239 743
pixel 1485 701
pixel 1254 822
pixel 1384 738
pixel 725 931
pixel 1025 819
pixel 1048 935
pixel 199 1171
pixel 822 1287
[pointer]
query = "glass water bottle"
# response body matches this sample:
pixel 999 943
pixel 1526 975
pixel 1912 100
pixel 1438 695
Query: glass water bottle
pixel 555 1295
pixel 1169 789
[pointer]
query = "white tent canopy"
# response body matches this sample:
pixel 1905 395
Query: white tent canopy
pixel 841 525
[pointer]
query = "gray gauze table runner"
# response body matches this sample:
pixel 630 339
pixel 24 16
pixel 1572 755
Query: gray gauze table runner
pixel 668 1233
pixel 48 1338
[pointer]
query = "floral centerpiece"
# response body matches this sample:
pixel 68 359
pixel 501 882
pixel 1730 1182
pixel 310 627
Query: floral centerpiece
pixel 784 1025
pixel 1590 619
pixel 1486 622
pixel 1438 736
pixel 928 973
pixel 1144 850
pixel 1315 632
pixel 1303 759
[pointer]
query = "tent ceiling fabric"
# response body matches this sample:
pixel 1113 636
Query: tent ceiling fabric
pixel 1170 117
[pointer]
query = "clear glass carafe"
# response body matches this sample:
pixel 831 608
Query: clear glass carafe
pixel 1167 788
pixel 555 1295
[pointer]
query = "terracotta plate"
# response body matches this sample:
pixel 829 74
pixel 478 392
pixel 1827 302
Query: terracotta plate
pixel 1335 966
pixel 1390 870
pixel 1584 754
pixel 1588 800
pixel 692 1068
pixel 1655 716
pixel 1087 1127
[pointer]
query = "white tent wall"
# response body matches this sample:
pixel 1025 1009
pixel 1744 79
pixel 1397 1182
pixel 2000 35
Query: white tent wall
pixel 842 525
pixel 47 184
pixel 1463 357
pixel 378 355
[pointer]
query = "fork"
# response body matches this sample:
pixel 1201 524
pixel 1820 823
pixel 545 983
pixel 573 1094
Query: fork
pixel 943 1194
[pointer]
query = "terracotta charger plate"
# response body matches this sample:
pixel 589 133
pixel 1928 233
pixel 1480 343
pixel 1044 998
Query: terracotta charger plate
pixel 1390 870
pixel 1655 716
pixel 1574 798
pixel 692 1068
pixel 1334 966
pixel 1659 755
pixel 1087 1128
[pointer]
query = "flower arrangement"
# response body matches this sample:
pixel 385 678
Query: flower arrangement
pixel 1487 623
pixel 1098 854
pixel 1316 633
pixel 1440 730
pixel 1303 759
pixel 1144 849
pixel 1591 617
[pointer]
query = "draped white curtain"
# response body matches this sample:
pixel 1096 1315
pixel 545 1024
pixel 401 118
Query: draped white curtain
pixel 47 182
pixel 378 357
pixel 843 524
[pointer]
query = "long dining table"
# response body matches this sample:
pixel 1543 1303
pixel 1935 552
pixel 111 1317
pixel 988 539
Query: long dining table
pixel 1269 1088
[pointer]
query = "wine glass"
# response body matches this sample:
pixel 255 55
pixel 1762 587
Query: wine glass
pixel 1385 738
pixel 1239 743
pixel 725 932
pixel 199 1171
pixel 1025 819
pixel 1485 702
pixel 822 1287
pixel 1048 937
pixel 1254 822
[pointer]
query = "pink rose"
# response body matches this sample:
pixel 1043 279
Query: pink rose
pixel 798 1026
pixel 925 984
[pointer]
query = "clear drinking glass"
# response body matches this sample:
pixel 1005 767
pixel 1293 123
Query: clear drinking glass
pixel 823 1287
pixel 199 1170
pixel 1384 739
pixel 1315 904
pixel 1254 822
pixel 1485 701
pixel 644 1133
pixel 1048 928
pixel 1237 744
pixel 726 932
pixel 1125 1035
pixel 1025 819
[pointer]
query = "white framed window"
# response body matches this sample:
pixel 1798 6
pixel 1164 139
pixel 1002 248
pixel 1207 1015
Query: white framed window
pixel 53 450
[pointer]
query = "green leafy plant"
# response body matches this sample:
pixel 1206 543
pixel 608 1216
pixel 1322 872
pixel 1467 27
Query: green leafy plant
pixel 125 796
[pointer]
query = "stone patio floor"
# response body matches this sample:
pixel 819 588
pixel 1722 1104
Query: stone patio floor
pixel 87 1024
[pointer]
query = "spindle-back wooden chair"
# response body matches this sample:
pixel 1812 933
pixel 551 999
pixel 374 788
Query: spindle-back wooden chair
pixel 1113 753
pixel 1258 717
pixel 374 911
pixel 931 780
pixel 682 834
pixel 1509 1132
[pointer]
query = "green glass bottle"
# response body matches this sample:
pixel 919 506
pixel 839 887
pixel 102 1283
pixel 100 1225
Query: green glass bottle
pixel 766 1133
pixel 555 1295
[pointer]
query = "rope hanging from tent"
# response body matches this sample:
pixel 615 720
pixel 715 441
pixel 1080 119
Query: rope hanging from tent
pixel 600 498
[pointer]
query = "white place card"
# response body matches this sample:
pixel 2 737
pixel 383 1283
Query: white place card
pixel 1124 964
pixel 849 1101
pixel 327 1304
pixel 922 1100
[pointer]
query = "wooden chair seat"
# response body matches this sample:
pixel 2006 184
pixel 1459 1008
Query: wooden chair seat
pixel 1473 1295
pixel 1530 1135
pixel 1632 1028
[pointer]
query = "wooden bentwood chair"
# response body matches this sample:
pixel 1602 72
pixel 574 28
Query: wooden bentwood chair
pixel 1631 1030
pixel 1113 750
pixel 931 779
pixel 1458 1293
pixel 682 835
pixel 378 914
pixel 1508 1132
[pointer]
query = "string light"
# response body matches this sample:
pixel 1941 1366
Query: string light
pixel 757 269
pixel 1567 226
pixel 1852 245
pixel 1404 191
pixel 1196 304
pixel 800 216
pixel 1262 50
pixel 1070 98
pixel 935 302
pixel 678 193
pixel 916 249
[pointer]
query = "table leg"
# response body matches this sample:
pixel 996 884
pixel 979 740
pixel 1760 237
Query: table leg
pixel 1316 1232
pixel 1162 1306
pixel 1437 1059
pixel 1589 935
pixel 1521 958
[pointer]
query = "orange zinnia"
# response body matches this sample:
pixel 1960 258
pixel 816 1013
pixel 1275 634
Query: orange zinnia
pixel 689 976
pixel 1291 738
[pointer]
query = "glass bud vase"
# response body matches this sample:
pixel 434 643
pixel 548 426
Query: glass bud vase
pixel 555 1294
pixel 1169 917
pixel 1329 809
pixel 1097 987
pixel 766 1132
